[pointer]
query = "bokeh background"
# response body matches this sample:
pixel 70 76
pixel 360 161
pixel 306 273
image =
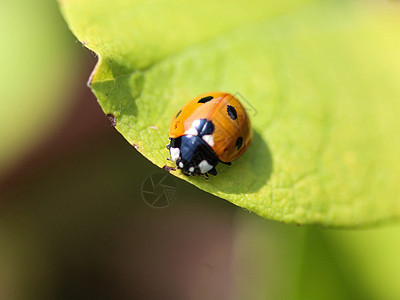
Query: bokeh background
pixel 73 224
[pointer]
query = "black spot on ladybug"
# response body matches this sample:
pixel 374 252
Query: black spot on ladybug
pixel 112 119
pixel 232 112
pixel 168 168
pixel 205 127
pixel 179 112
pixel 239 142
pixel 205 99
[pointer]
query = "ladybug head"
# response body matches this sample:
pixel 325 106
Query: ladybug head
pixel 188 167
pixel 193 156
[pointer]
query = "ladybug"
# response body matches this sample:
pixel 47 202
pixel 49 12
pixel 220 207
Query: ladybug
pixel 209 129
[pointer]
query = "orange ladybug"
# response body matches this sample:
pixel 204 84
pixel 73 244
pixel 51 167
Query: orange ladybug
pixel 209 129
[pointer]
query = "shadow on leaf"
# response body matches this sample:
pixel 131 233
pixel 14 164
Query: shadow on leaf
pixel 246 175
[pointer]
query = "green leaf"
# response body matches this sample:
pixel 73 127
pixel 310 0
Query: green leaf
pixel 321 76
pixel 368 258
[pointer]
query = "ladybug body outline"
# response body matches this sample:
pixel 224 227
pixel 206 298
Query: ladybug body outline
pixel 210 128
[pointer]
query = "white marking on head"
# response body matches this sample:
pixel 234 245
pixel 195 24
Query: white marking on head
pixel 209 139
pixel 205 166
pixel 192 131
pixel 181 165
pixel 191 169
pixel 196 123
pixel 175 153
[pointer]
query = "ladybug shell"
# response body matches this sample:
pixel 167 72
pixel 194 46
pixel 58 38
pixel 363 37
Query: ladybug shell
pixel 232 133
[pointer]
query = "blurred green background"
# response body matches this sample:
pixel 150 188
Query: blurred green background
pixel 73 224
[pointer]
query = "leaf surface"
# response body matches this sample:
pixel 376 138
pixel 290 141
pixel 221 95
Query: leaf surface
pixel 320 80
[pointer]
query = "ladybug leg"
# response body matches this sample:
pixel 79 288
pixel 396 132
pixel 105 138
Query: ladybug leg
pixel 169 159
pixel 185 173
pixel 213 171
pixel 206 176
pixel 168 146
pixel 226 163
